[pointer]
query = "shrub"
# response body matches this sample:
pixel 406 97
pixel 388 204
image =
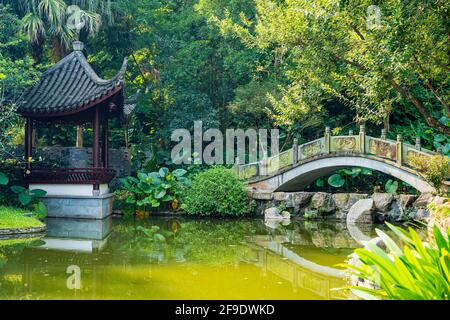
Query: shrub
pixel 217 191
pixel 419 271
pixel 154 189
pixel 434 170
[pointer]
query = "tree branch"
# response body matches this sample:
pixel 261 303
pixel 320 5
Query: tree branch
pixel 430 86
pixel 406 93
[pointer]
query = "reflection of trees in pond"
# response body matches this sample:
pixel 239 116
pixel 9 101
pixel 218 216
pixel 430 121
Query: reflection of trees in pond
pixel 212 242
pixel 137 240
pixel 216 242
pixel 12 247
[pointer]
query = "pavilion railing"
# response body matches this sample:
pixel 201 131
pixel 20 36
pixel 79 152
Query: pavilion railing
pixel 70 175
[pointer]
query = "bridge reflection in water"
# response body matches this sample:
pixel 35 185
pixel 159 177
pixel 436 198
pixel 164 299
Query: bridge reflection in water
pixel 303 274
pixel 294 261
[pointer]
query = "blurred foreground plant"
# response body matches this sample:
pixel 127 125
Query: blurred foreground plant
pixel 419 271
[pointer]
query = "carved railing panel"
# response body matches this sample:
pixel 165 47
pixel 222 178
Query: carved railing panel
pixel 311 149
pixel 345 144
pixel 382 148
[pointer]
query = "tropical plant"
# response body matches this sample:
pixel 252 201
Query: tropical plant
pixel 3 179
pixel 391 186
pixel 362 179
pixel 51 19
pixel 155 188
pixel 217 191
pixel 435 169
pixel 31 198
pixel 419 271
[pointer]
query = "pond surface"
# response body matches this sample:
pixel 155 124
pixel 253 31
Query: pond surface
pixel 176 258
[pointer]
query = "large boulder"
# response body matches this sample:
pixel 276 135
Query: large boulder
pixel 351 200
pixel 422 214
pixel 396 213
pixel 341 200
pixel 382 201
pixel 281 196
pixel 323 203
pixel 302 199
pixel 424 200
pixel 284 198
pixel 260 195
pixel 405 200
pixel 361 212
pixel 273 213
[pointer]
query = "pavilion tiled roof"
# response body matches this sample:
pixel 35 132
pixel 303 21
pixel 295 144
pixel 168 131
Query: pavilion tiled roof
pixel 69 87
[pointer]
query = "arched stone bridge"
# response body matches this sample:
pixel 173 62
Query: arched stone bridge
pixel 300 166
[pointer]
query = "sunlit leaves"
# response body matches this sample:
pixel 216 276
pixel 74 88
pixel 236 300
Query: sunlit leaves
pixel 419 271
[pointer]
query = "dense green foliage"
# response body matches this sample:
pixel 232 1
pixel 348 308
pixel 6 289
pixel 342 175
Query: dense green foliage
pixel 155 188
pixel 294 65
pixel 435 170
pixel 216 191
pixel 419 271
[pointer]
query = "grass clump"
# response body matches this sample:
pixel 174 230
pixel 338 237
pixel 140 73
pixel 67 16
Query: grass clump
pixel 13 218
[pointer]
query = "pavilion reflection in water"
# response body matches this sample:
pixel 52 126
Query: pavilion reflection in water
pixel 280 254
pixel 77 235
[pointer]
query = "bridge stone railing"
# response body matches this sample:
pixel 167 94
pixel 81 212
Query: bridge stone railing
pixel 395 151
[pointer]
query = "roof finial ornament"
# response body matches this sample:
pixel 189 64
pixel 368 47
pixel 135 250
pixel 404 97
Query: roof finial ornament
pixel 78 46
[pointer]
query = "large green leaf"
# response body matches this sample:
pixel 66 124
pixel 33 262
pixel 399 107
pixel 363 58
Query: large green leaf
pixel 179 173
pixel 145 187
pixel 130 200
pixel 142 176
pixel 40 210
pixel 159 237
pixel 133 179
pixel 3 179
pixel 18 189
pixel 155 203
pixel 168 198
pixel 391 187
pixel 336 181
pixel 185 181
pixel 320 183
pixel 25 199
pixel 160 193
pixel 163 172
pixel 38 193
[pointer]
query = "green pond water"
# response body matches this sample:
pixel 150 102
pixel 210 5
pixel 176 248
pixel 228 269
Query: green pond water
pixel 177 258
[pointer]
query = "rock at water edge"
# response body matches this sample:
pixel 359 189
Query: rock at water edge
pixel 361 212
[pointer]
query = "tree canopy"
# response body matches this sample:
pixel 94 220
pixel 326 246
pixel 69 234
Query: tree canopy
pixel 297 65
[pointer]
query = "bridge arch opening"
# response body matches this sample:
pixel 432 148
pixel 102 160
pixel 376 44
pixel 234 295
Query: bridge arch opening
pixel 298 177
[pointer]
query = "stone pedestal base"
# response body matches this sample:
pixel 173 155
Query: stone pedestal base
pixel 79 207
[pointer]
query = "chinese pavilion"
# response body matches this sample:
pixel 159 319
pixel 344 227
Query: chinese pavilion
pixel 72 93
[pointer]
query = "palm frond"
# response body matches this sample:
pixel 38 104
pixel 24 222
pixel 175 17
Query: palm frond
pixel 34 27
pixel 53 10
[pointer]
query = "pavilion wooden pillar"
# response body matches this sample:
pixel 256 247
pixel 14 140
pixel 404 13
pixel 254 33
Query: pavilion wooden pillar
pixel 96 142
pixel 28 143
pixel 105 142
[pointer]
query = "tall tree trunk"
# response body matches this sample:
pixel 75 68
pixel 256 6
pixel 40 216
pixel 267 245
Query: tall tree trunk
pixel 387 125
pixel 58 50
pixel 37 51
pixel 432 122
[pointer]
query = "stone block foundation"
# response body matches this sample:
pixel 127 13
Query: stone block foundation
pixel 79 207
